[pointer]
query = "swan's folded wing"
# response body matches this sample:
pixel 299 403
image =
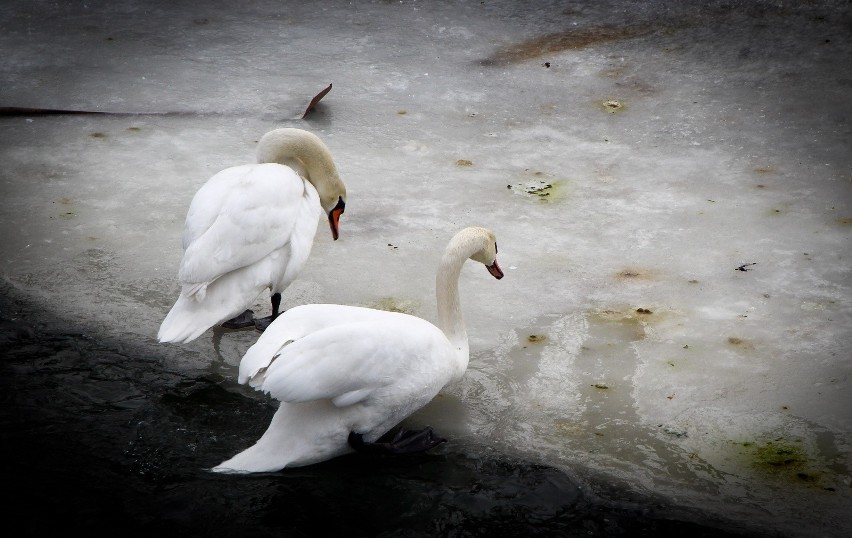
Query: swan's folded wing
pixel 257 217
pixel 348 363
pixel 257 359
pixel 293 324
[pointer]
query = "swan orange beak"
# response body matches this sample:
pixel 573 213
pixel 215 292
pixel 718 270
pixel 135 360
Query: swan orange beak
pixel 334 217
pixel 495 271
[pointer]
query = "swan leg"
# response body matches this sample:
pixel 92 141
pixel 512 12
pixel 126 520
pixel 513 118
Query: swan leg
pixel 404 442
pixel 246 319
pixel 262 323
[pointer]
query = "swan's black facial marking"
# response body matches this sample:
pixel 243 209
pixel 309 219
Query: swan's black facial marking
pixel 495 248
pixel 334 217
pixel 341 205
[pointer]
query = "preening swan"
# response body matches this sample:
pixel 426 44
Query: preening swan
pixel 346 375
pixel 251 228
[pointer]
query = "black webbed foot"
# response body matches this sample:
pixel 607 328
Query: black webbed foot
pixel 246 319
pixel 404 442
pixel 262 323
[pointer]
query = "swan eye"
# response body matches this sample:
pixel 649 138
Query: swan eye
pixel 495 248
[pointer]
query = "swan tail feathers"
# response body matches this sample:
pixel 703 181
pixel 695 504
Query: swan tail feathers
pixel 191 316
pixel 298 435
pixel 241 463
pixel 185 322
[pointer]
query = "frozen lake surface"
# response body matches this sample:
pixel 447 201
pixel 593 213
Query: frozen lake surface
pixel 669 183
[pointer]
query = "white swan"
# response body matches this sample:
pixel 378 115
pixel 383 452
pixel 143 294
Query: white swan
pixel 250 228
pixel 346 375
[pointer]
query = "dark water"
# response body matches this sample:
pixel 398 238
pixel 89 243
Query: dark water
pixel 101 438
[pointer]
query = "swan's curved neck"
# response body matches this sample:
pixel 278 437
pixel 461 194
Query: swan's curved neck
pixel 308 153
pixel 450 318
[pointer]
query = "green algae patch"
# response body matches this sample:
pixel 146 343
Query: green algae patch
pixel 541 188
pixel 783 459
pixel 779 455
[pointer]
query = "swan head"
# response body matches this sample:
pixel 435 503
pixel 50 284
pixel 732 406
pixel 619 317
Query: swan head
pixel 305 150
pixel 482 246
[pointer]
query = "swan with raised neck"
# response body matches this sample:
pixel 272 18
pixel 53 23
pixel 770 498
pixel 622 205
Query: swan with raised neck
pixel 347 375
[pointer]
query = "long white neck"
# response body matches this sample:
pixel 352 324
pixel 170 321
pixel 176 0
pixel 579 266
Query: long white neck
pixel 450 318
pixel 307 152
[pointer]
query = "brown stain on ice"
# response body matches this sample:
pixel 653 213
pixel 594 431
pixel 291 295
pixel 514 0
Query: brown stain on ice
pixel 622 321
pixel 536 338
pixel 740 343
pixel 630 321
pixel 575 39
pixel 613 105
pixel 629 274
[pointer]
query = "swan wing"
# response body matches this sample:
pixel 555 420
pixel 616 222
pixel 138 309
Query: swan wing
pixel 240 216
pixel 294 324
pixel 345 364
pixel 349 361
